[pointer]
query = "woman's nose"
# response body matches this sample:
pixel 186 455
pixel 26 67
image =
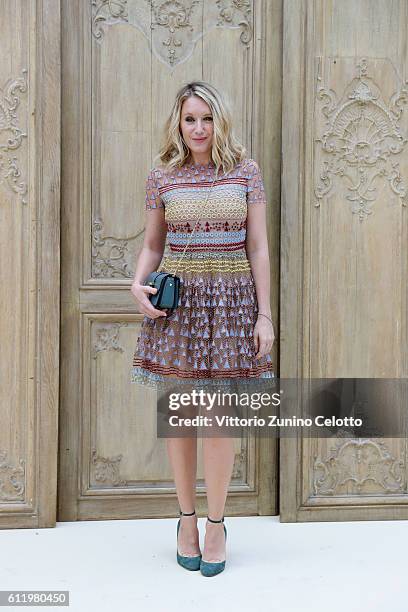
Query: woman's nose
pixel 199 126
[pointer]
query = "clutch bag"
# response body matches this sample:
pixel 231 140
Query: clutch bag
pixel 168 287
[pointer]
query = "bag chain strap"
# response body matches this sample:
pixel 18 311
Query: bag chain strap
pixel 198 219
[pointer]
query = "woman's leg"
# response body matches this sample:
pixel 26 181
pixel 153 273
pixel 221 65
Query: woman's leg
pixel 218 458
pixel 182 453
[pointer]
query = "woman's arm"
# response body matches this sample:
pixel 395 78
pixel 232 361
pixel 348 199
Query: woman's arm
pixel 149 259
pixel 152 250
pixel 258 256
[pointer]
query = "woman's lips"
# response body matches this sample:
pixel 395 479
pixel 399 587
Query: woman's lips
pixel 199 139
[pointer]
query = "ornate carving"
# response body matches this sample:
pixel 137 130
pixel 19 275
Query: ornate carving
pixel 12 479
pixel 107 337
pixel 239 464
pixel 361 138
pixel 107 12
pixel 111 257
pixel 173 27
pixel 107 469
pixel 172 15
pixel 11 135
pixel 228 11
pixel 356 462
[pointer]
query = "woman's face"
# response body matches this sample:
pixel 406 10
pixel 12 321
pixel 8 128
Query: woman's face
pixel 196 124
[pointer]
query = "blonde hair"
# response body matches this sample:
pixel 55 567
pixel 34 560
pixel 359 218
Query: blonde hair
pixel 226 150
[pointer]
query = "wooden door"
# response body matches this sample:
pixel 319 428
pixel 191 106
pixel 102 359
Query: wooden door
pixel 29 256
pixel 344 241
pixel 122 64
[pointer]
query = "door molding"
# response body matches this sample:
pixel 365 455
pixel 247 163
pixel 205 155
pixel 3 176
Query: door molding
pixel 30 202
pixel 316 341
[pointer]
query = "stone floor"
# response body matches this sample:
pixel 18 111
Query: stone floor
pixel 128 565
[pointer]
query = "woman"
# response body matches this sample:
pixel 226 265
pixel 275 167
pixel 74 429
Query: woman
pixel 222 327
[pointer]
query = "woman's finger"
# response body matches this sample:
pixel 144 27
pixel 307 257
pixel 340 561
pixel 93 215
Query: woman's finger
pixel 256 339
pixel 260 349
pixel 150 311
pixel 264 348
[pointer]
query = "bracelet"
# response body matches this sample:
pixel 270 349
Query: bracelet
pixel 264 315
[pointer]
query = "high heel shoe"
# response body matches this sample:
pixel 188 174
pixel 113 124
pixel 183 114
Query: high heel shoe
pixel 188 562
pixel 210 568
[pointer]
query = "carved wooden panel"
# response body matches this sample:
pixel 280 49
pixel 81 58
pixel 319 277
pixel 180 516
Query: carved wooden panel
pixel 363 141
pixel 128 105
pixel 12 136
pixel 29 255
pixel 344 242
pixel 172 29
pixel 134 55
pixel 120 450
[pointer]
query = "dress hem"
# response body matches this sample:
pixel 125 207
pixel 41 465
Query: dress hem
pixel 145 377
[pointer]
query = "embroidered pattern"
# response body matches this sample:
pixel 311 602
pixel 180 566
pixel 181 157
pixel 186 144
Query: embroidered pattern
pixel 206 265
pixel 209 336
pixel 220 205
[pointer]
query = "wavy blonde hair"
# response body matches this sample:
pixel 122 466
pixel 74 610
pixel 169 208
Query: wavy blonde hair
pixel 226 150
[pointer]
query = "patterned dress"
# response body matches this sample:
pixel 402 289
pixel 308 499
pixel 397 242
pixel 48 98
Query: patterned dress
pixel 209 336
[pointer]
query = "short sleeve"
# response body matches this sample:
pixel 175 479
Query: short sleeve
pixel 153 199
pixel 256 189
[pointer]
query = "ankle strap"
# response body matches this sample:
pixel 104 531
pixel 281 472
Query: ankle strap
pixel 212 521
pixel 187 513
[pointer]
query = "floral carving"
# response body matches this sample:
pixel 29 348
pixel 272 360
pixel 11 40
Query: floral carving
pixel 228 12
pixel 111 257
pixel 239 464
pixel 362 140
pixel 12 479
pixel 107 469
pixel 107 12
pixel 107 338
pixel 356 462
pixel 172 15
pixel 11 136
pixel 173 27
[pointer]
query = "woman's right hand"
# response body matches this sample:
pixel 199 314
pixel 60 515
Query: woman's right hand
pixel 139 292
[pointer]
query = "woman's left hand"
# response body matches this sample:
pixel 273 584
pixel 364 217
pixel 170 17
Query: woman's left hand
pixel 264 337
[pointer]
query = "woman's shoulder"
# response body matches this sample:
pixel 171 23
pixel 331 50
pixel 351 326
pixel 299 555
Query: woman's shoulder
pixel 157 171
pixel 244 168
pixel 248 165
pixel 159 175
pixel 163 172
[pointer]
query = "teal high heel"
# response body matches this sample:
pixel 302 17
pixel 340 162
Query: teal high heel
pixel 189 563
pixel 209 568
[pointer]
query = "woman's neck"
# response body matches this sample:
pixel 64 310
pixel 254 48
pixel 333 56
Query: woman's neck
pixel 200 160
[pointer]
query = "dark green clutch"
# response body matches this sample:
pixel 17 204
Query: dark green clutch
pixel 168 288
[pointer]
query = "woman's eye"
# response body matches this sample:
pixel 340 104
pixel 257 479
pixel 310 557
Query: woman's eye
pixel 190 119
